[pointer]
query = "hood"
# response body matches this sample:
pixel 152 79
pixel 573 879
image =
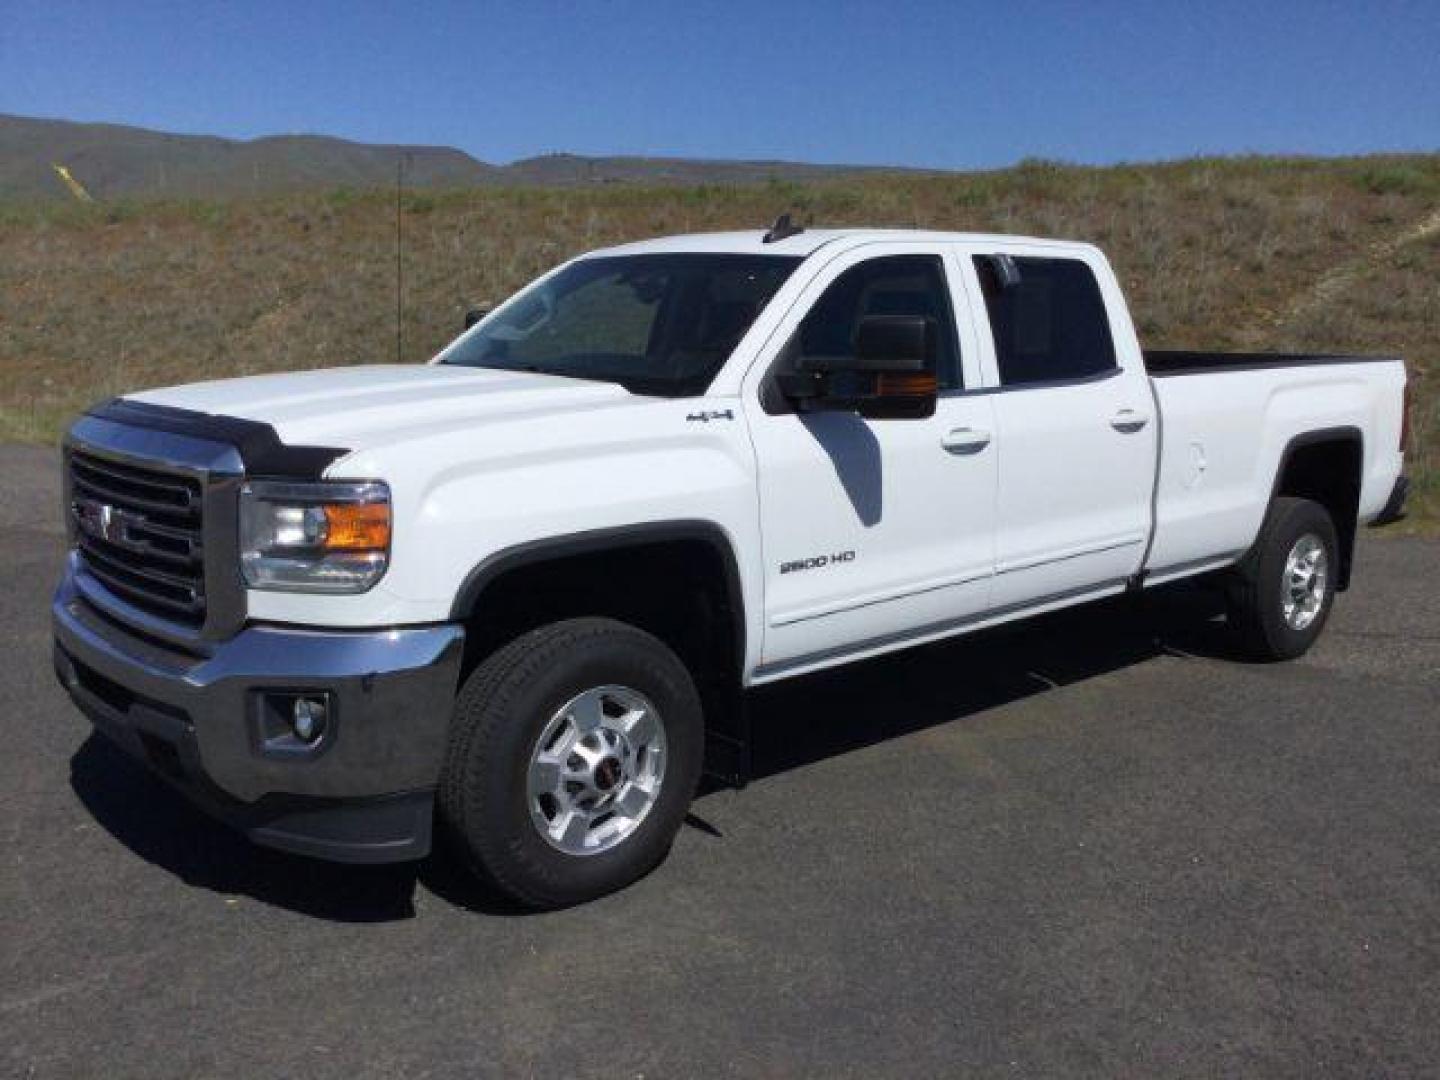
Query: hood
pixel 357 407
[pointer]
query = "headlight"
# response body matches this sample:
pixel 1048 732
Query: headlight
pixel 330 537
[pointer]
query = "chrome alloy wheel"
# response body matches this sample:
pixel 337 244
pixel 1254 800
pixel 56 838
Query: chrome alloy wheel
pixel 1302 587
pixel 596 770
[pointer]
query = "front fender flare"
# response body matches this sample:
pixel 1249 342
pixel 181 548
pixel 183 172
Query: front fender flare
pixel 593 541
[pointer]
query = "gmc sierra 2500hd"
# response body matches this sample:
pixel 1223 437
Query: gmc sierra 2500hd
pixel 521 589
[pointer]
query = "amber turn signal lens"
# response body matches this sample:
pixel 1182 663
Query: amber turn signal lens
pixel 357 526
pixel 906 384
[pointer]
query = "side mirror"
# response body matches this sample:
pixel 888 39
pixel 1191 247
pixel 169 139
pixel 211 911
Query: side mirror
pixel 890 376
pixel 475 314
pixel 894 343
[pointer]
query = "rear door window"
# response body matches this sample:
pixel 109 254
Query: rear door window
pixel 1048 319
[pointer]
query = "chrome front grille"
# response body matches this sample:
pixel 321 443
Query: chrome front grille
pixel 139 531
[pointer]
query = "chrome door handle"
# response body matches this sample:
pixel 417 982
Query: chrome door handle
pixel 964 440
pixel 1128 421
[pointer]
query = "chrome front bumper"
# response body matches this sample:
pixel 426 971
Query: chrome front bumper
pixel 363 793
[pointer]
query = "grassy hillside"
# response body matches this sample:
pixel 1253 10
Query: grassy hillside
pixel 1235 253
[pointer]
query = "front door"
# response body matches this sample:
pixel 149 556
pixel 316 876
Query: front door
pixel 874 531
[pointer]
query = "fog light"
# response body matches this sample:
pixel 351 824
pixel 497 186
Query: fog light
pixel 308 718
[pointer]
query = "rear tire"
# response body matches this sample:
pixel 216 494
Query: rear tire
pixel 1281 594
pixel 574 753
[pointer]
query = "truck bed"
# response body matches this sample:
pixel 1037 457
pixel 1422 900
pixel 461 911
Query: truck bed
pixel 1224 439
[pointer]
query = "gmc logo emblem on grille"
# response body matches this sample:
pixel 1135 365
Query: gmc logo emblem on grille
pixel 103 521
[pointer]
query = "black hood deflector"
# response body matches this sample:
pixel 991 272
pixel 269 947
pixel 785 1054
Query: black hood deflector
pixel 260 448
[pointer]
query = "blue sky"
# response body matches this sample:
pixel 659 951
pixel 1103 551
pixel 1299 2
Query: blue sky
pixel 902 82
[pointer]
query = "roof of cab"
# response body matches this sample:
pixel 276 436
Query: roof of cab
pixel 807 242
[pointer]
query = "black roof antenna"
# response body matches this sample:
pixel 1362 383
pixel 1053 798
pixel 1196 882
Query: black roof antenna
pixel 782 229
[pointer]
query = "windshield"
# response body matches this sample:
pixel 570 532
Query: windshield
pixel 656 324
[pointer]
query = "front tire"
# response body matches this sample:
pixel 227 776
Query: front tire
pixel 574 753
pixel 1282 592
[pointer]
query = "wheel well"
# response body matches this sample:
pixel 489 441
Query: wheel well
pixel 1326 468
pixel 684 589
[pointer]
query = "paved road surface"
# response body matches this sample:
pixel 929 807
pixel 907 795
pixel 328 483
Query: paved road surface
pixel 1088 847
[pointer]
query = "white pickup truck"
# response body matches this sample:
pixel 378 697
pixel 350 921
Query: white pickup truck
pixel 521 590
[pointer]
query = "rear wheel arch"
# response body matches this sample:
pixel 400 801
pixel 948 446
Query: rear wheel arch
pixel 1326 466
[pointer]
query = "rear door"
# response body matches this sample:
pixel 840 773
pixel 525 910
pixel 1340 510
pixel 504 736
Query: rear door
pixel 874 531
pixel 1075 421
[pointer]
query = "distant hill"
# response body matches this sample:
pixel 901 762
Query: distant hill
pixel 112 160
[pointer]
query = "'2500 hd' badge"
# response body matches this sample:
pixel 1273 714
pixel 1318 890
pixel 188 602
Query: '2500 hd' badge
pixel 815 562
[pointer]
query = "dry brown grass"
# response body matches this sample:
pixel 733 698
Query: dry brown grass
pixel 1249 252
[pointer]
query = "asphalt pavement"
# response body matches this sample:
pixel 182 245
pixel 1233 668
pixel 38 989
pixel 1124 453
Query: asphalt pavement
pixel 1092 845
